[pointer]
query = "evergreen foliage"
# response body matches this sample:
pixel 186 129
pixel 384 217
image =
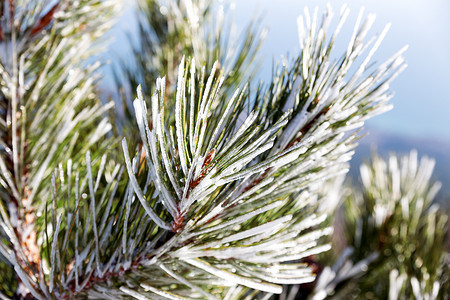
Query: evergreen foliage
pixel 395 235
pixel 169 30
pixel 50 113
pixel 219 190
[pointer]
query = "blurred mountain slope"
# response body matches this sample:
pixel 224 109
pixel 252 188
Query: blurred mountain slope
pixel 384 143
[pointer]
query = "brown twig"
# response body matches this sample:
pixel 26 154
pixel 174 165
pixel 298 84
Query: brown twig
pixel 44 21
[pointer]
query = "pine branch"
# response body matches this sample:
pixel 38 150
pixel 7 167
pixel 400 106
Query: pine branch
pixel 395 235
pixel 48 114
pixel 206 160
pixel 169 30
pixel 219 198
pixel 172 29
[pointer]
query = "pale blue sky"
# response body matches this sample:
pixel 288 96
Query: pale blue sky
pixel 422 91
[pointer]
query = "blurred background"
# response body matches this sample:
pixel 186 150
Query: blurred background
pixel 421 115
